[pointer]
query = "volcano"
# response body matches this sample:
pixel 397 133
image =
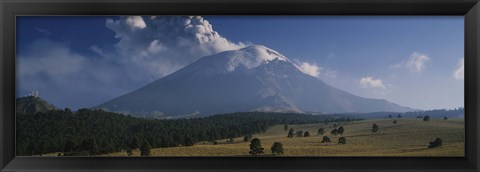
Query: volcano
pixel 253 78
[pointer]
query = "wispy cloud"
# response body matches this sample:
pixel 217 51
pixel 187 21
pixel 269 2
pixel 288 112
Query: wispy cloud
pixel 370 82
pixel 415 63
pixel 458 73
pixel 43 31
pixel 311 69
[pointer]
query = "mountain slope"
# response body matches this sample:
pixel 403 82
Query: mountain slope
pixel 254 78
pixel 32 105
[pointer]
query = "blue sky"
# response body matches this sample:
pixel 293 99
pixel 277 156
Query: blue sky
pixel 414 61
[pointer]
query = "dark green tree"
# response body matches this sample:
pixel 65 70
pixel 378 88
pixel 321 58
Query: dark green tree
pixel 426 118
pixel 445 118
pixel 300 133
pixel 334 132
pixel 326 139
pixel 390 116
pixel 129 152
pixel 375 128
pixel 277 148
pixel 290 133
pixel 306 134
pixel 341 130
pixel 342 140
pixel 320 131
pixel 399 116
pixel 255 147
pixel 436 143
pixel 145 149
pixel 394 121
pixel 285 127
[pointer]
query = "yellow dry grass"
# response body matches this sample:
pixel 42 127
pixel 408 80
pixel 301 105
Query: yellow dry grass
pixel 410 137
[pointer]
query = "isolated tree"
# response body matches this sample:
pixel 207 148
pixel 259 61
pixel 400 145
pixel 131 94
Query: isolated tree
pixel 300 133
pixel 290 133
pixel 326 139
pixel 145 149
pixel 306 134
pixel 285 127
pixel 246 139
pixel 334 132
pixel 390 116
pixel 437 143
pixel 277 148
pixel 399 116
pixel 320 131
pixel 215 142
pixel 426 118
pixel 375 128
pixel 255 147
pixel 129 152
pixel 342 140
pixel 341 130
pixel 445 118
pixel 394 122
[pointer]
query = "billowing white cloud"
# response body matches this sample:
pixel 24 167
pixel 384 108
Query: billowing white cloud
pixel 135 22
pixel 416 62
pixel 148 48
pixel 370 82
pixel 166 43
pixel 458 73
pixel 311 69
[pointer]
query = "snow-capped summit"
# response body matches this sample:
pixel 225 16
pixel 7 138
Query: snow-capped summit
pixel 254 78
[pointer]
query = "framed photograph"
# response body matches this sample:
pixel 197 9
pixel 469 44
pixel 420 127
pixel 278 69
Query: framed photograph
pixel 239 85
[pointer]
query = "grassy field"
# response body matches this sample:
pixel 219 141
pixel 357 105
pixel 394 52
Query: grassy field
pixel 409 137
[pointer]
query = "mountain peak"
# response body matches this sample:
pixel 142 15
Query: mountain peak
pixel 248 57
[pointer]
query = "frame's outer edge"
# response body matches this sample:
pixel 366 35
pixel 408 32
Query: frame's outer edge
pixel 7 90
pixel 472 42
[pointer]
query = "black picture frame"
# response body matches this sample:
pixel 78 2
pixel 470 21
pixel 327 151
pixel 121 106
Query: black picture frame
pixel 11 8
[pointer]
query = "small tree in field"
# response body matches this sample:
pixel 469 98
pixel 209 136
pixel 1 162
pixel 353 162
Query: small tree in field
pixel 341 130
pixel 390 116
pixel 399 116
pixel 375 128
pixel 334 132
pixel 445 118
pixel 306 134
pixel 255 147
pixel 290 133
pixel 394 121
pixel 285 127
pixel 326 139
pixel 277 148
pixel 300 133
pixel 129 152
pixel 320 131
pixel 437 143
pixel 342 140
pixel 426 118
pixel 145 149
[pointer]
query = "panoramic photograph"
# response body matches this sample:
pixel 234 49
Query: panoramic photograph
pixel 264 86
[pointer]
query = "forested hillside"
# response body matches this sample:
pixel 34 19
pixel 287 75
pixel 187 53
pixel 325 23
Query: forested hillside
pixel 93 132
